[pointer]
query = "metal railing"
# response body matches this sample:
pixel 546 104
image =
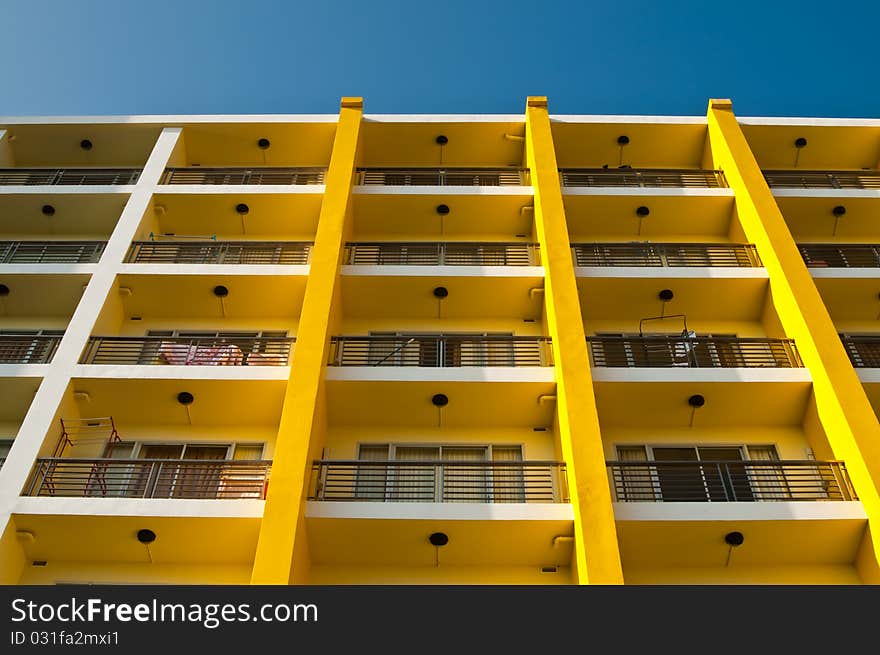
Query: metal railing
pixel 27 349
pixel 51 252
pixel 68 176
pixel 182 351
pixel 665 254
pixel 659 351
pixel 863 349
pixel 440 351
pixel 730 481
pixel 644 177
pixel 243 175
pixel 439 481
pixel 148 478
pixel 219 252
pixel 444 176
pixel 823 179
pixel 844 255
pixel 442 254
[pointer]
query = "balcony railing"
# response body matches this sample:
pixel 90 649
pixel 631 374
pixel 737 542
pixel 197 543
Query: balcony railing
pixel 444 176
pixel 439 481
pixel 256 175
pixel 823 179
pixel 219 252
pixel 68 176
pixel 51 252
pixel 27 349
pixel 665 254
pixel 148 478
pixel 844 255
pixel 442 351
pixel 645 177
pixel 730 481
pixel 181 351
pixel 663 351
pixel 442 254
pixel 863 349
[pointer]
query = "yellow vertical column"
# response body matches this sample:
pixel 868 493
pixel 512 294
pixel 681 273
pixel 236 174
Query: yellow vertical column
pixel 597 556
pixel 844 410
pixel 282 540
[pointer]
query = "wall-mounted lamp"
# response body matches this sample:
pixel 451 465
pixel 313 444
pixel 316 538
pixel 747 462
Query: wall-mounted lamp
pixel 696 401
pixel 438 540
pixel 146 537
pixel 85 144
pixel 838 211
pixel 186 399
pixel 48 210
pixel 264 143
pixel 799 144
pixel 439 400
pixel 733 540
pixel 641 212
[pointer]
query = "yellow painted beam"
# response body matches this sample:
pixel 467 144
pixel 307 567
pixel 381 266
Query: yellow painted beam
pixel 844 410
pixel 282 540
pixel 597 556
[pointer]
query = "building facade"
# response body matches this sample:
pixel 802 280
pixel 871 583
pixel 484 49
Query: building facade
pixel 373 349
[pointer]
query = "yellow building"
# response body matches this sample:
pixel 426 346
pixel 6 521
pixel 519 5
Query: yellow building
pixel 369 349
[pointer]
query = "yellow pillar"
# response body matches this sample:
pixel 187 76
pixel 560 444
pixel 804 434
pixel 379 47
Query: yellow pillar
pixel 282 547
pixel 597 556
pixel 844 410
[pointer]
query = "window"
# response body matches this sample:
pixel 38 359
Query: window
pixel 699 474
pixel 434 482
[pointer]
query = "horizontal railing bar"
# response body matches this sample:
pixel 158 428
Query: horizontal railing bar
pixel 697 352
pixel 835 179
pixel 665 254
pixel 443 176
pixel 843 255
pixel 191 351
pixel 642 177
pixel 431 253
pixel 50 251
pixel 68 176
pixel 220 252
pixel 270 175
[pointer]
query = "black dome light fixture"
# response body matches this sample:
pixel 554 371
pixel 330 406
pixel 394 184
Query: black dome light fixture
pixel 264 143
pixel 696 401
pixel 86 144
pixel 222 292
pixel 438 540
pixel 641 211
pixel 665 296
pixel 441 292
pixel 838 211
pixel 4 291
pixel 48 210
pixel 439 400
pixel 242 208
pixel 799 144
pixel 733 540
pixel 146 537
pixel 186 399
pixel 441 140
pixel 443 210
pixel 622 141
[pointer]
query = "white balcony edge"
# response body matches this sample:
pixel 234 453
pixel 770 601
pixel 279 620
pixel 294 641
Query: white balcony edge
pixel 23 370
pixel 437 374
pixel 443 271
pixel 722 192
pixel 239 189
pixel 48 269
pixel 762 511
pixel 167 372
pixel 60 189
pixel 215 269
pixel 165 507
pixel 440 511
pixel 685 374
pixel 388 190
pixel 868 375
pixel 845 273
pixel 826 193
pixel 673 272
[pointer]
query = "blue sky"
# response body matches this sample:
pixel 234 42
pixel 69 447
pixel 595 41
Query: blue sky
pixel 773 57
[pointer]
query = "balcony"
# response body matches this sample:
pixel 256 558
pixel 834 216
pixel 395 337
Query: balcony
pixel 148 478
pixel 51 252
pixel 244 176
pixel 68 176
pixel 438 481
pixel 726 481
pixel 441 351
pixel 441 254
pixel 223 252
pixel 27 348
pixel 225 351
pixel 863 349
pixel 646 177
pixel 781 179
pixel 665 254
pixel 660 351
pixel 509 176
pixel 845 255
